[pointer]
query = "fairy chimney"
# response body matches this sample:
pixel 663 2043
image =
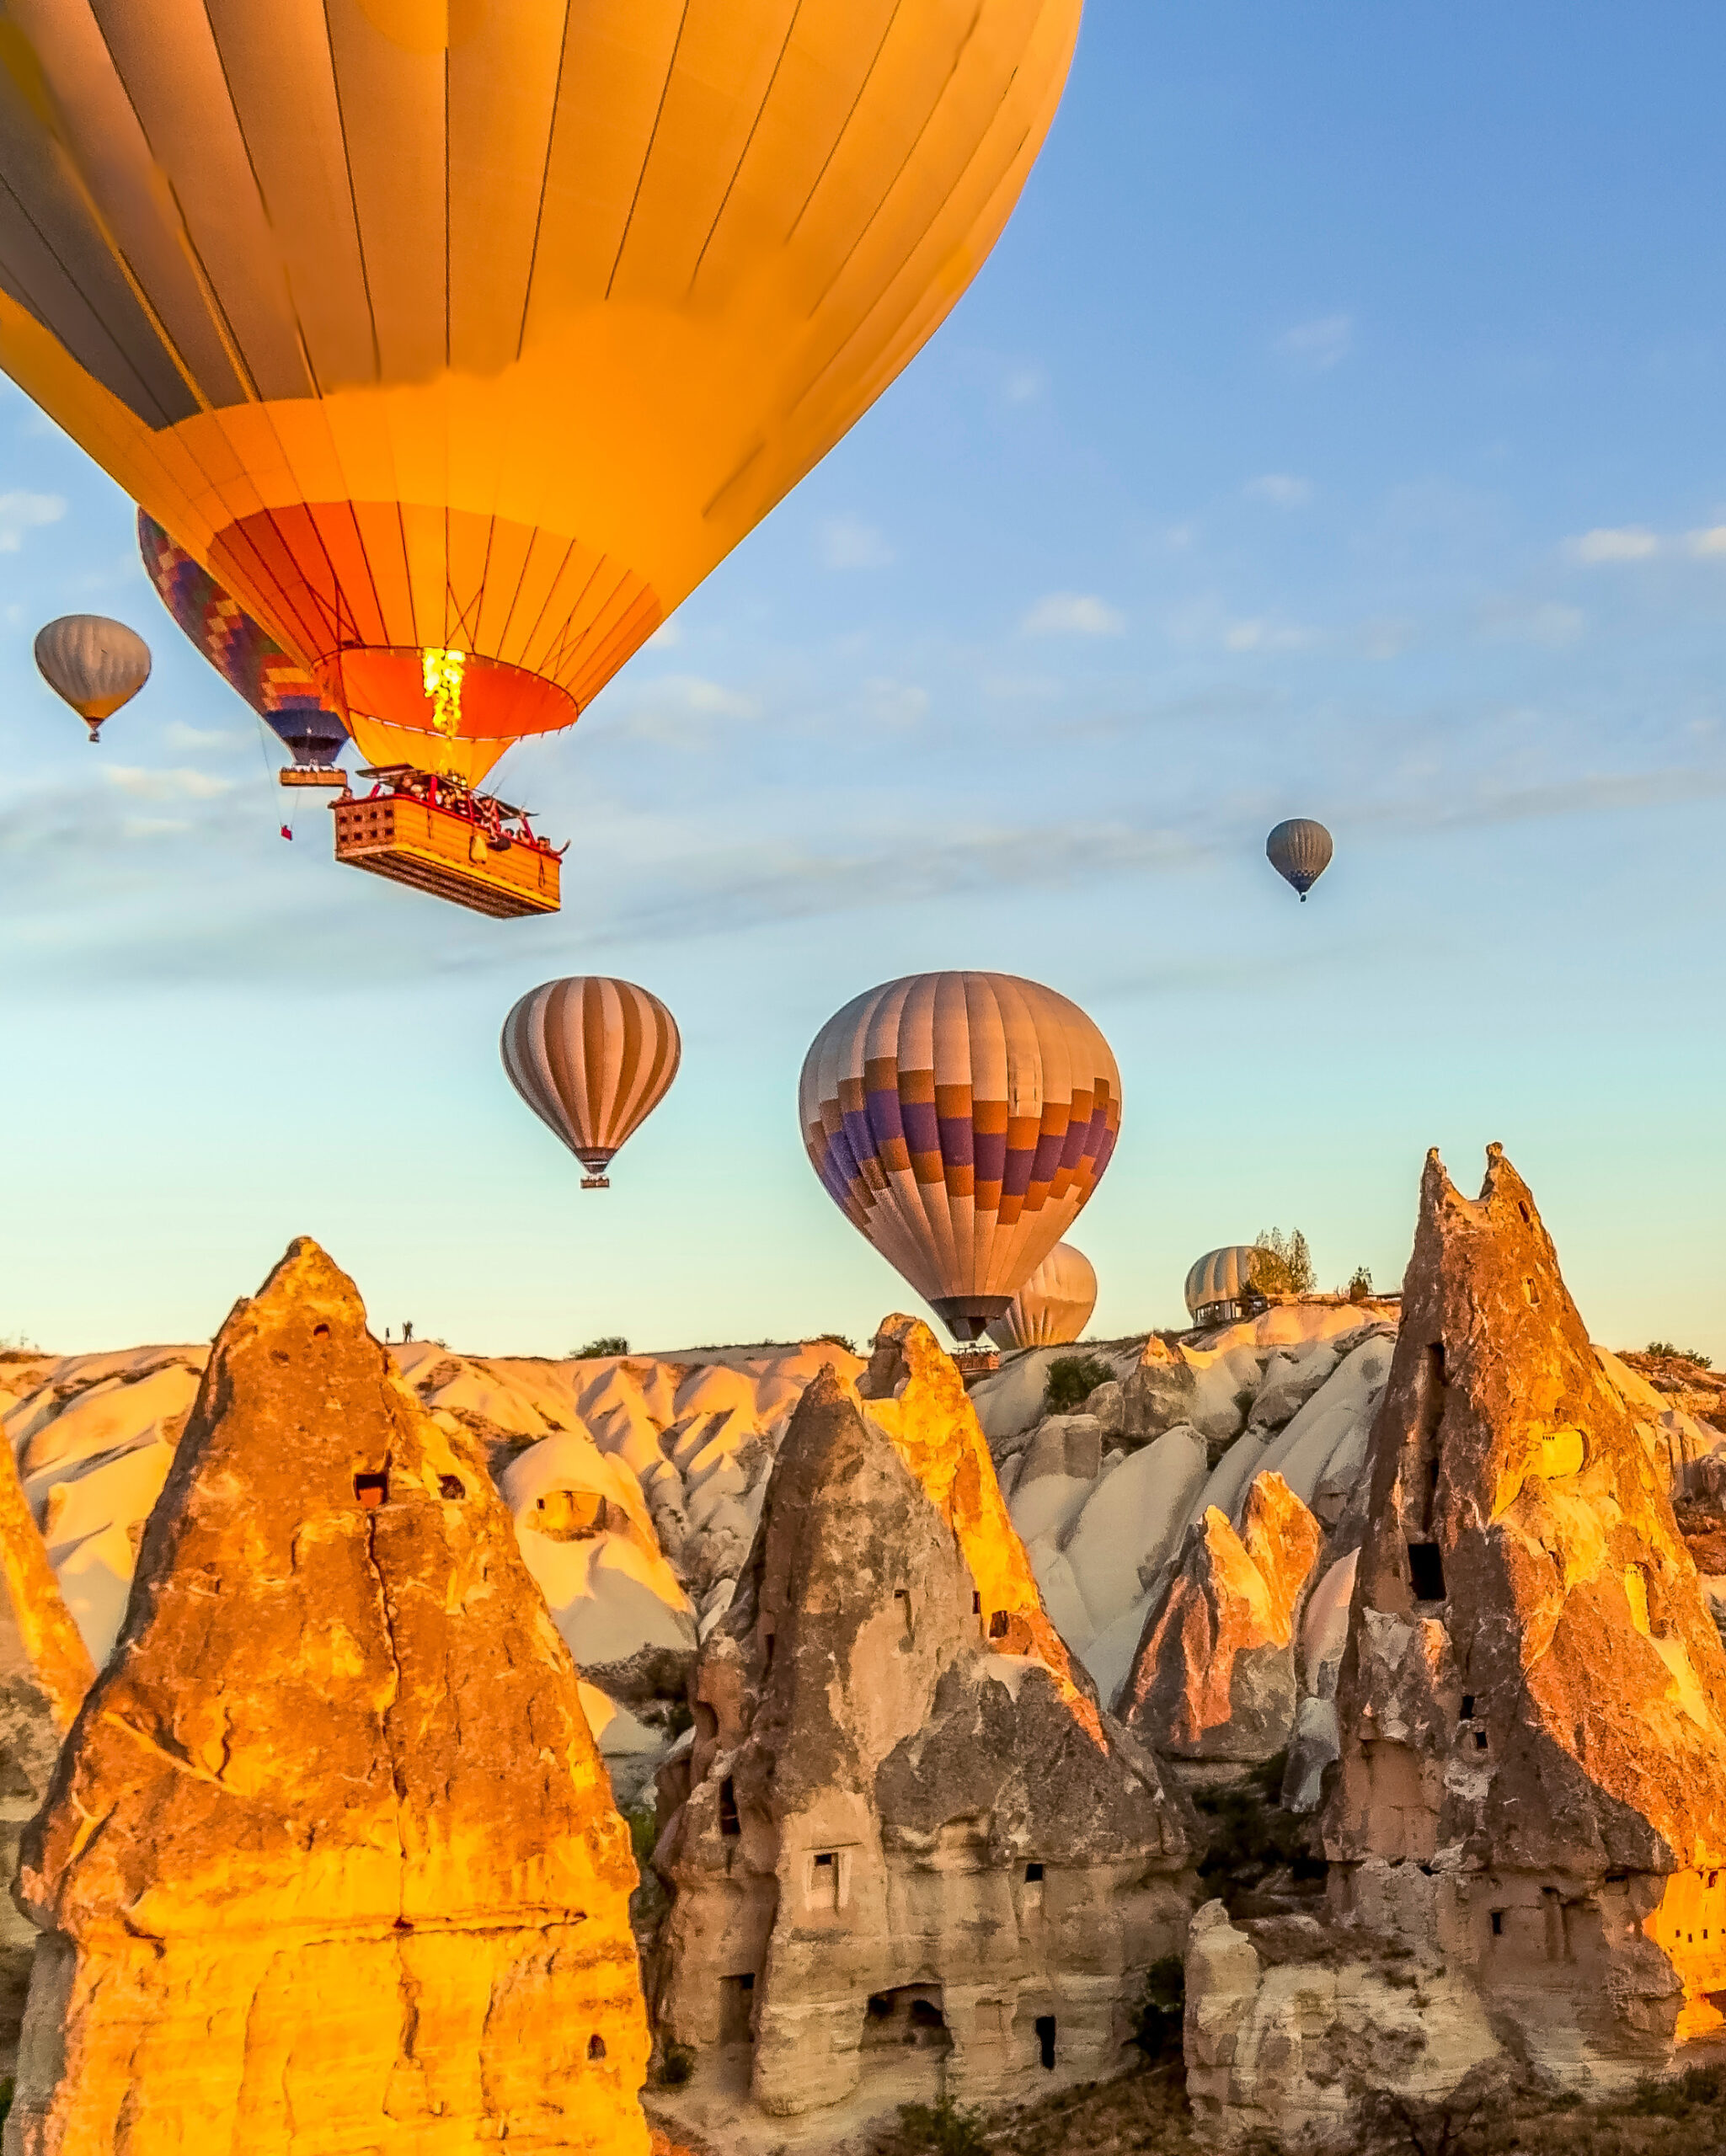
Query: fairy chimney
pixel 1532 1701
pixel 911 1857
pixel 329 1860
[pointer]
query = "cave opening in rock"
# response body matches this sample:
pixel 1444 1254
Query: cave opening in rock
pixel 1046 2040
pixel 736 2008
pixel 730 1821
pixel 911 2016
pixel 1426 1572
pixel 371 1490
pixel 997 1624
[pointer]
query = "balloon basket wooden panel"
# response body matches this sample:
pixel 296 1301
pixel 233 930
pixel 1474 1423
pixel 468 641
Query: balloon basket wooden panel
pixel 432 851
pixel 311 775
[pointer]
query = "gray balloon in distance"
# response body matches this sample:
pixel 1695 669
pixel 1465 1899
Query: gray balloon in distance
pixel 94 664
pixel 1299 852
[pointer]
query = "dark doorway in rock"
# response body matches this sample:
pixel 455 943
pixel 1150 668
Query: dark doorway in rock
pixel 736 2007
pixel 1045 2039
pixel 371 1490
pixel 1426 1572
pixel 997 1624
pixel 596 2046
pixel 730 1822
pixel 910 2017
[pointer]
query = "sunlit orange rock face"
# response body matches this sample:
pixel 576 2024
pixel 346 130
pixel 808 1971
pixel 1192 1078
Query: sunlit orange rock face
pixel 1533 1700
pixel 329 1862
pixel 916 1394
pixel 44 1673
pixel 911 1856
pixel 1215 1675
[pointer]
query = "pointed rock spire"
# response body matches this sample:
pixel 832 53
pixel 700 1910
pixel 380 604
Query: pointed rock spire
pixel 329 1860
pixel 904 1829
pixel 1532 1702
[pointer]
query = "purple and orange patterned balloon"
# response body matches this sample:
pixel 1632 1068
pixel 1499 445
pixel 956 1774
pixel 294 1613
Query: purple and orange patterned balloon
pixel 961 1121
pixel 246 656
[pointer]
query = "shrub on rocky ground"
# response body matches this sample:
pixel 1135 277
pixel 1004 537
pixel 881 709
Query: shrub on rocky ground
pixel 1249 1837
pixel 940 2129
pixel 1071 1381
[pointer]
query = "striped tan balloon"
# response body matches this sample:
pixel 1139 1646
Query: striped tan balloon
pixel 1054 1306
pixel 593 1058
pixel 959 1121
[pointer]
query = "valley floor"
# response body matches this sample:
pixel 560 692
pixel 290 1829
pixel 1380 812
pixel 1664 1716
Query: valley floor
pixel 1145 2114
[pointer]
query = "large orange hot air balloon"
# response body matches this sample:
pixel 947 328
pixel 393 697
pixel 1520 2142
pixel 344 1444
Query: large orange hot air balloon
pixel 593 1058
pixel 461 339
pixel 960 1121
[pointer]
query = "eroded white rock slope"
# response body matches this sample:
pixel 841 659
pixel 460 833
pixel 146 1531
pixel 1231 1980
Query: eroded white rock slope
pixel 636 1480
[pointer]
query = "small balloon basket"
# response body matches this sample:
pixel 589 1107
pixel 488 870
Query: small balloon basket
pixel 595 1182
pixel 975 1363
pixel 312 775
pixel 437 835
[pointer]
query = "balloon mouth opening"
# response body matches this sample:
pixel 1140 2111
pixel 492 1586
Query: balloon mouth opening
pixel 595 1163
pixel 967 1317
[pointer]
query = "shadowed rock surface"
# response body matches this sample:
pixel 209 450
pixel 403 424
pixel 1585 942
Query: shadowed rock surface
pixel 912 1857
pixel 330 1861
pixel 1527 1836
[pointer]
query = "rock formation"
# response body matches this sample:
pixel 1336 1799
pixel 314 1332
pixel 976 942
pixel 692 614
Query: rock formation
pixel 44 1673
pixel 1528 1832
pixel 910 1853
pixel 1216 1677
pixel 329 1862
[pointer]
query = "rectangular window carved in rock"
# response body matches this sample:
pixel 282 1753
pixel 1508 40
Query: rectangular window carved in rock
pixel 736 2002
pixel 997 1624
pixel 826 1881
pixel 1426 1572
pixel 1046 2040
pixel 901 1603
pixel 371 1490
pixel 730 1822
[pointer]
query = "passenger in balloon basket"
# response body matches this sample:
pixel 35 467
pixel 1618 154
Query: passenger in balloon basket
pixel 496 824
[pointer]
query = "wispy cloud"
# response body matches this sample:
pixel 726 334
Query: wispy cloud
pixel 666 637
pixel 178 735
pixel 181 783
pixel 1265 635
pixel 1545 621
pixel 1024 384
pixel 1635 542
pixel 1628 543
pixel 894 703
pixel 1282 489
pixel 845 542
pixel 1073 614
pixel 21 512
pixel 1320 344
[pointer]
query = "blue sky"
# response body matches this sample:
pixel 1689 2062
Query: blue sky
pixel 1335 432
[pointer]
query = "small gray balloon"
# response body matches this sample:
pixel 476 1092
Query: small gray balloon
pixel 1299 852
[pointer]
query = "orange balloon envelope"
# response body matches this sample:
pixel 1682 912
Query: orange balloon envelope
pixel 960 1121
pixel 593 1058
pixel 461 339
